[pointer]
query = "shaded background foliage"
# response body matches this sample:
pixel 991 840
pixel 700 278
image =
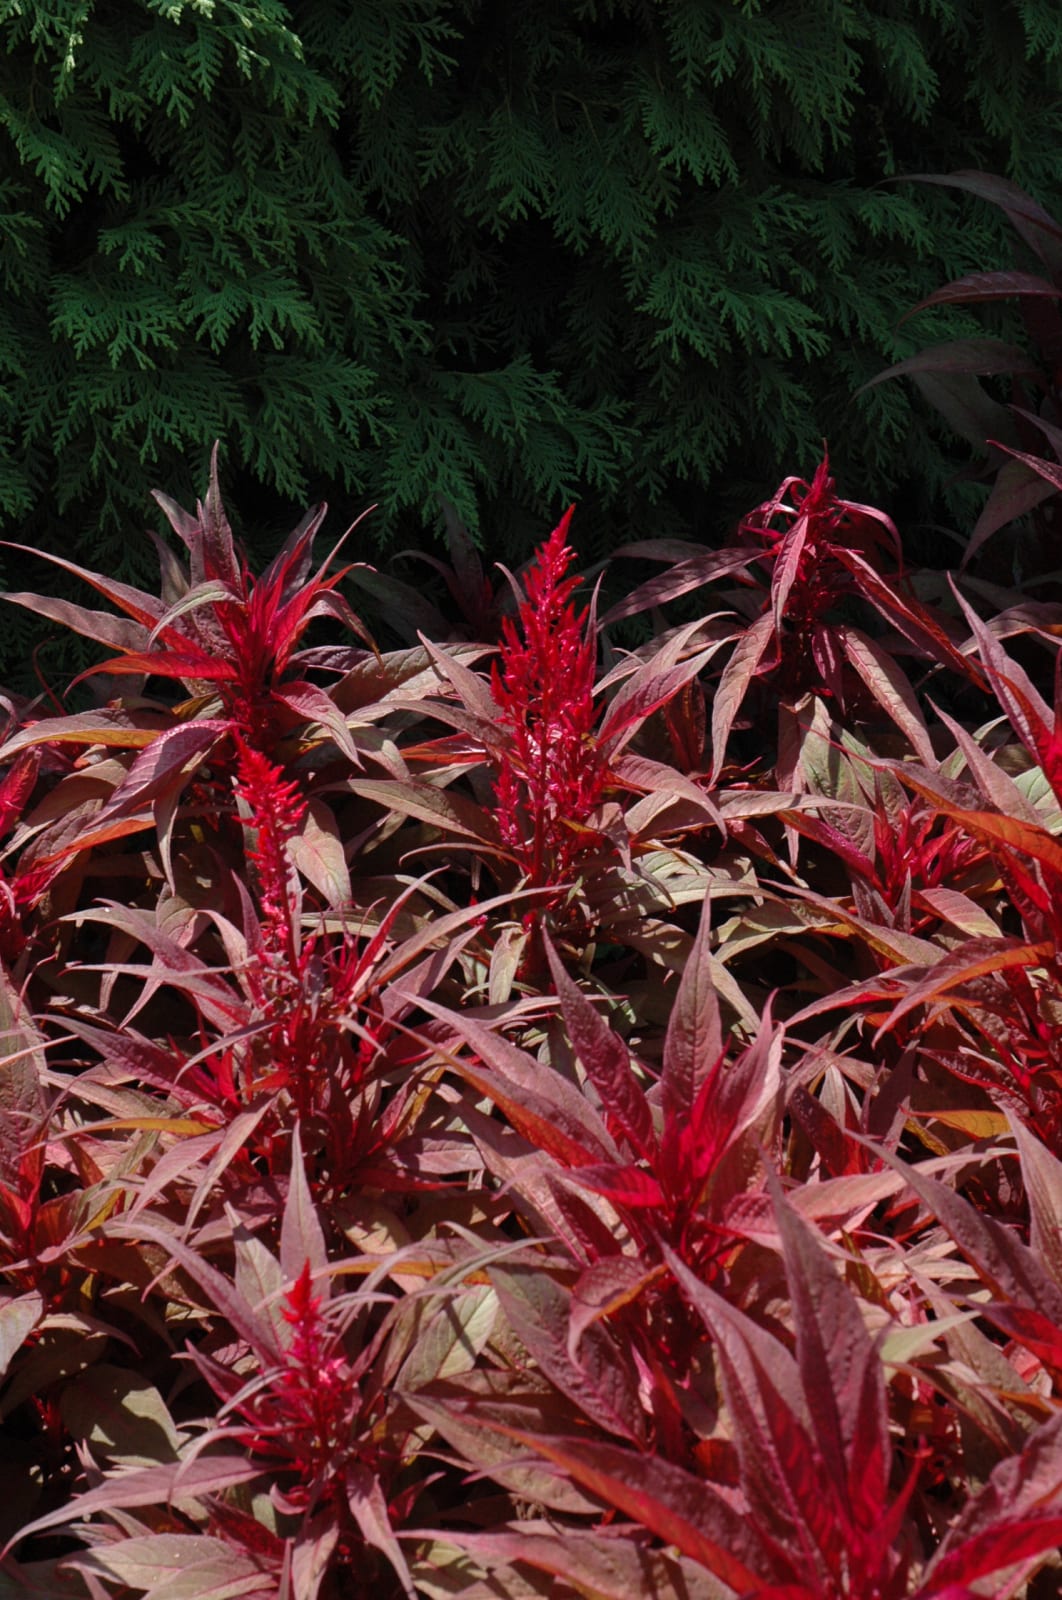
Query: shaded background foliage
pixel 635 254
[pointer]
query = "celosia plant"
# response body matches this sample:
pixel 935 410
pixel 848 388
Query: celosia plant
pixel 707 1245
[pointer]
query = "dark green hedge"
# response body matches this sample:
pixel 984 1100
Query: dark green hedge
pixel 638 253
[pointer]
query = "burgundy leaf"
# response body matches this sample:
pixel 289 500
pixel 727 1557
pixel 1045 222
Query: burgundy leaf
pixel 980 286
pixel 980 356
pixel 607 1063
pixel 889 686
pixel 1049 471
pixel 966 406
pixel 744 663
pixel 840 1370
pixel 592 1564
pixel 167 762
pixel 368 1506
pixel 687 572
pixel 624 1186
pixel 1017 1514
pixel 655 682
pixel 302 1240
pixel 519 1080
pixel 600 1380
pixel 118 633
pixel 151 1486
pixel 693 1044
pixel 603 1288
pixel 783 1473
pixel 1042 1172
pixel 1017 490
pixel 679 1508
pixel 118 725
pixel 252 1325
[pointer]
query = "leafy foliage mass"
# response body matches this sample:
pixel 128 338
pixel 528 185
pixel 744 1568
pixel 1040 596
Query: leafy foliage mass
pixel 508 254
pixel 519 1116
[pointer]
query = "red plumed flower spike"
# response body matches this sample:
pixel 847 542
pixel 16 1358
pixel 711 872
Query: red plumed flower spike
pixel 554 774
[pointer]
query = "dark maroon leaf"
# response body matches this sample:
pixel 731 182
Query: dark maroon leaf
pixel 607 1062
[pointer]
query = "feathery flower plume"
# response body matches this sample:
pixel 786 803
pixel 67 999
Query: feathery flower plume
pixel 553 775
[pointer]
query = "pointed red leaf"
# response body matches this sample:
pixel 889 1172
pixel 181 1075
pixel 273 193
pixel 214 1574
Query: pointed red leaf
pixel 977 287
pixel 889 686
pixel 601 1380
pixel 685 572
pixel 782 1472
pixel 1042 1172
pixel 840 1370
pixel 143 608
pixel 651 686
pixel 693 1043
pixel 518 1081
pixel 607 1063
pixel 680 1509
pixel 151 1486
pixel 302 1240
pixel 738 673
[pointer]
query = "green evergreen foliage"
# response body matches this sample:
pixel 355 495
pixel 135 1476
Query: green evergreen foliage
pixel 516 254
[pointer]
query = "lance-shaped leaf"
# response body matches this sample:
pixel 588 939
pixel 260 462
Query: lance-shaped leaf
pixel 118 633
pixel 1042 1172
pixel 607 1063
pixel 888 685
pixel 976 958
pixel 652 685
pixel 143 608
pixel 473 690
pixel 788 561
pixel 745 662
pixel 693 1044
pixel 541 1104
pixel 662 786
pixel 839 1368
pixel 368 1506
pixel 124 727
pixel 999 830
pixel 450 813
pixel 251 1323
pixel 784 1475
pixel 680 1509
pixel 1016 491
pixel 600 1380
pixel 918 624
pixel 166 764
pixel 606 1287
pixel 475 1412
pixel 180 1566
pixel 984 357
pixel 689 567
pixel 729 1101
pixel 305 700
pixel 302 1240
pixel 1030 716
pixel 593 1564
pixel 19 1316
pixel 975 287
pixel 149 1486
